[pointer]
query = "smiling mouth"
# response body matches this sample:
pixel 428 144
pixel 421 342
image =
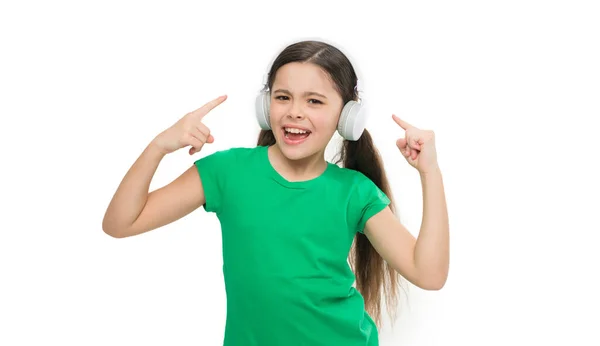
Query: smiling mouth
pixel 295 135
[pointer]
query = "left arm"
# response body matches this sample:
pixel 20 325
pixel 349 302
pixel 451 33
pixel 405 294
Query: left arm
pixel 423 261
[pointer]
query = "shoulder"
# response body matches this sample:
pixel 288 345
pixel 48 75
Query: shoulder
pixel 351 178
pixel 220 174
pixel 229 156
pixel 365 198
pixel 234 151
pixel 360 186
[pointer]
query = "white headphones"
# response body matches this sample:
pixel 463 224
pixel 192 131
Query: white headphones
pixel 350 126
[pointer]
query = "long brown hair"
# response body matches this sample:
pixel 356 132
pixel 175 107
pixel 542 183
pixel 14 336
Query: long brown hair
pixel 375 279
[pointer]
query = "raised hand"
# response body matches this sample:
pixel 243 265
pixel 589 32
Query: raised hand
pixel 417 146
pixel 188 131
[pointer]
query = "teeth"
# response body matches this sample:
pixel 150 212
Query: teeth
pixel 292 130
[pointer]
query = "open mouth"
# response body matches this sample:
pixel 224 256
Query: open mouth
pixel 294 135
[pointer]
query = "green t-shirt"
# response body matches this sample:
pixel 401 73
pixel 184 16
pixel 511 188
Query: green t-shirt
pixel 285 250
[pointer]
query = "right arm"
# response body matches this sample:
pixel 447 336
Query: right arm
pixel 133 210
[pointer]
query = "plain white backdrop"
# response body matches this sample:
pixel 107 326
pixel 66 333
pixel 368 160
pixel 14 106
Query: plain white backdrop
pixel 510 88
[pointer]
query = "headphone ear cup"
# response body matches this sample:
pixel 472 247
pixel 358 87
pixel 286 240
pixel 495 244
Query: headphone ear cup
pixel 263 103
pixel 352 121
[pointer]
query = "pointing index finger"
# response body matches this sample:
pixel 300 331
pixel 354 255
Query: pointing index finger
pixel 202 111
pixel 403 124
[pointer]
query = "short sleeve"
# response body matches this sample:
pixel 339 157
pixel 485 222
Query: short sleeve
pixel 213 170
pixel 367 200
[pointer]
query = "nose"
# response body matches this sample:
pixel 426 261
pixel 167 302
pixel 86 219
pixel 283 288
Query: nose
pixel 295 111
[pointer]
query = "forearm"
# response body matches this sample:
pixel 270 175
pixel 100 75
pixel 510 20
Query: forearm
pixel 432 247
pixel 131 195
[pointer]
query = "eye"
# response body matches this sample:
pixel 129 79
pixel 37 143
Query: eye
pixel 316 101
pixel 280 98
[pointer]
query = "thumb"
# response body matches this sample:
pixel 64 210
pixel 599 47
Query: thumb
pixel 401 143
pixel 193 150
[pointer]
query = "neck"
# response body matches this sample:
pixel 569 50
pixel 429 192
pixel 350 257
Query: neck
pixel 298 170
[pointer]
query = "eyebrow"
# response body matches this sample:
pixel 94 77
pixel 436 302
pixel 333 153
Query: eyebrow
pixel 308 93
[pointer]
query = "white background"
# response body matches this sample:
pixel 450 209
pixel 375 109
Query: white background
pixel 511 89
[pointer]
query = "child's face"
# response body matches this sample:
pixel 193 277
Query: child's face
pixel 314 115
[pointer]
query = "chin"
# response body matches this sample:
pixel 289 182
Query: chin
pixel 295 153
pixel 297 150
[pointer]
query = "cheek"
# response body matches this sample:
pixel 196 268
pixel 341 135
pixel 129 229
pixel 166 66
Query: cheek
pixel 276 112
pixel 326 122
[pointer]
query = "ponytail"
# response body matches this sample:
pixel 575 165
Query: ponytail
pixel 374 277
pixel 266 138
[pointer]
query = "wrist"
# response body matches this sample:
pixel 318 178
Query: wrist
pixel 155 149
pixel 433 171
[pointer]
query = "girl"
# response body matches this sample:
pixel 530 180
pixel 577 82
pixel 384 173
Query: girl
pixel 289 218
